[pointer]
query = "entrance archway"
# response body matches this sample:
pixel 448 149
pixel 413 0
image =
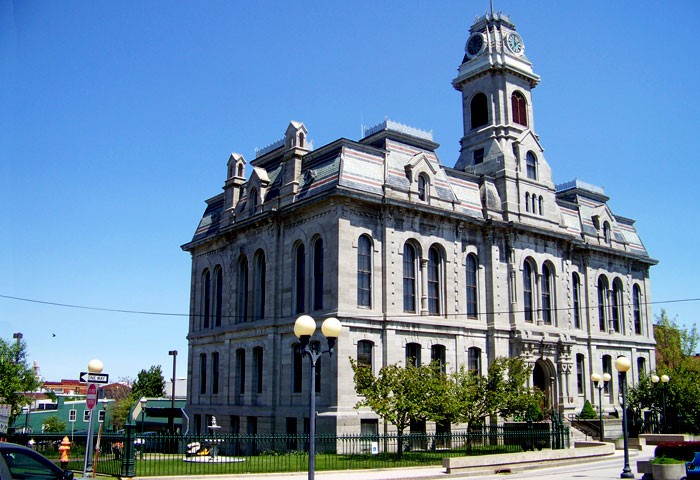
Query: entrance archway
pixel 543 375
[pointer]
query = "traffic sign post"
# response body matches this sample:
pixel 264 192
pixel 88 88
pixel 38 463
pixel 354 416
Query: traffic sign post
pixel 87 377
pixel 91 399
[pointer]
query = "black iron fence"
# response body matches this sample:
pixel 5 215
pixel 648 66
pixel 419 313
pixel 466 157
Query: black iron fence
pixel 152 454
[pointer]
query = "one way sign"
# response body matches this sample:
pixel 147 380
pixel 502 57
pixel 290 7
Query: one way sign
pixel 87 377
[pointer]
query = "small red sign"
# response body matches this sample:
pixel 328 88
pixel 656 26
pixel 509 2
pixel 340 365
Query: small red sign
pixel 91 399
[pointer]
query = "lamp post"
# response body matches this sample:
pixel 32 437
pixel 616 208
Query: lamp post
pixel 304 328
pixel 143 411
pixel 17 336
pixel 664 380
pixel 171 418
pixel 622 365
pixel 600 382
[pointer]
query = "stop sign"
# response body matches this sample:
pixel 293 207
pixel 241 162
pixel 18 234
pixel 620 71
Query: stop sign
pixel 91 399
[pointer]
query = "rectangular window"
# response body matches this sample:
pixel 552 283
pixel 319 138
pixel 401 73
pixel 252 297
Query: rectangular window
pixel 409 278
pixel 364 353
pixel 72 415
pixel 433 282
pixel 577 305
pixel 478 156
pixel 258 369
pixel 202 373
pixel 607 368
pixel 291 425
pixel 215 373
pixel 86 415
pixel 580 369
pixel 364 274
pixel 413 351
pixel 240 370
pixel 101 416
pixel 296 368
pixel 474 360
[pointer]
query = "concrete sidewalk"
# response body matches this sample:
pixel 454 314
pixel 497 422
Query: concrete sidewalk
pixel 603 468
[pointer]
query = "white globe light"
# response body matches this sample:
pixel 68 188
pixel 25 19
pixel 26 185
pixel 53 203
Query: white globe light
pixel 95 366
pixel 622 364
pixel 665 378
pixel 606 377
pixel 305 325
pixel 654 379
pixel 331 327
pixel 596 377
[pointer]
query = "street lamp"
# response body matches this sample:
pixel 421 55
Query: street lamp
pixel 596 377
pixel 664 380
pixel 143 411
pixel 622 365
pixel 171 418
pixel 17 336
pixel 304 328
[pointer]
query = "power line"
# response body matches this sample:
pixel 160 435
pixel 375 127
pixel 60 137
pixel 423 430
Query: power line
pixel 404 315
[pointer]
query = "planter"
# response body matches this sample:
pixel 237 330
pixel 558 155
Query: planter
pixel 674 471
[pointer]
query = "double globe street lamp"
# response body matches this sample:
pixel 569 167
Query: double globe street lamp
pixel 600 382
pixel 664 380
pixel 304 328
pixel 622 365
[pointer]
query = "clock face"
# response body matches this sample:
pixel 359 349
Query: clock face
pixel 475 44
pixel 515 43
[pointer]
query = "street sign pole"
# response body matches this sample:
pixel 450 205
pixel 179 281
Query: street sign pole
pixel 91 401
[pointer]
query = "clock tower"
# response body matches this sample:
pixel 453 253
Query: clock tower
pixel 496 81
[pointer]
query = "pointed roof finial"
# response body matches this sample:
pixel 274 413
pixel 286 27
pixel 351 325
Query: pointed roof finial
pixel 491 1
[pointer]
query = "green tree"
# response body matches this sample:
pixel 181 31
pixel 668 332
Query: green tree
pixel 149 383
pixel 16 376
pixel 588 412
pixel 120 411
pixel 401 394
pixel 53 424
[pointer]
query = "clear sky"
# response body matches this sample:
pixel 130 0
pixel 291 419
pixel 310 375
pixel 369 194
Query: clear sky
pixel 117 119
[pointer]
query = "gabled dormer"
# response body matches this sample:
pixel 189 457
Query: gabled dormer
pixel 256 190
pixel 235 178
pixel 295 136
pixel 421 176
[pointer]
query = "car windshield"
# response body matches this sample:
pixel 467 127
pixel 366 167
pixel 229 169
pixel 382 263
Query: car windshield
pixel 22 466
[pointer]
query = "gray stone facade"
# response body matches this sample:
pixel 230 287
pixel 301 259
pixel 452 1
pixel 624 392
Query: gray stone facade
pixel 415 258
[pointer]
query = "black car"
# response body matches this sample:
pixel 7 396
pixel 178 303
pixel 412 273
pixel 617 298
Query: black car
pixel 22 463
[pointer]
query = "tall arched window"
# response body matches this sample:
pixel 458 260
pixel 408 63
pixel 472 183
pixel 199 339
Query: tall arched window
pixel 472 291
pixel 240 170
pixel 242 290
pixel 474 360
pixel 202 373
pixel 423 187
pixel 206 298
pixel 617 312
pixel 527 201
pixel 547 294
pixel 607 368
pixel 364 272
pixel 257 369
pixel 576 294
pixel 641 368
pixel 299 278
pixel 240 371
pixel 438 355
pixel 296 368
pixel 528 279
pixel 253 201
pixel 531 165
pixel 259 286
pixel 637 309
pixel 318 274
pixel 541 201
pixel 519 107
pixel 434 281
pixel 413 351
pixel 218 295
pixel 409 278
pixel 479 110
pixel 606 233
pixel 215 373
pixel 580 374
pixel 602 303
pixel 364 353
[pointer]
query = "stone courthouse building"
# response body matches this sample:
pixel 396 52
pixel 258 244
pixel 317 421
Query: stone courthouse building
pixel 462 262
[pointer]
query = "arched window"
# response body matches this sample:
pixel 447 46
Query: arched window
pixel 527 201
pixel 242 290
pixel 602 302
pixel 474 360
pixel 434 281
pixel 606 232
pixel 423 187
pixel 580 374
pixel 479 110
pixel 547 294
pixel 296 368
pixel 534 203
pixel 576 293
pixel 409 278
pixel 215 373
pixel 364 272
pixel 637 309
pixel 472 291
pixel 438 355
pixel 519 107
pixel 364 353
pixel 299 278
pixel 607 368
pixel 259 286
pixel 206 298
pixel 531 166
pixel 540 204
pixel 617 312
pixel 528 282
pixel 641 367
pixel 413 354
pixel 202 373
pixel 218 295
pixel 240 371
pixel 257 369
pixel 253 201
pixel 318 274
pixel 240 170
pixel 301 139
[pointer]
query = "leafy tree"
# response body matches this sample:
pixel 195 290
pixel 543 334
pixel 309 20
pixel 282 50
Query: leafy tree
pixel 399 394
pixel 149 383
pixel 120 411
pixel 16 376
pixel 53 424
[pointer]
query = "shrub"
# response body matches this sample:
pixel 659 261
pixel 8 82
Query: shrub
pixel 666 461
pixel 684 451
pixel 588 411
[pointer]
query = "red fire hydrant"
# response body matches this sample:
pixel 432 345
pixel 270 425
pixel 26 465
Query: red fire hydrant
pixel 64 449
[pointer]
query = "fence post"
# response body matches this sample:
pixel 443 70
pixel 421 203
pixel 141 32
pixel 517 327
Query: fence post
pixel 128 466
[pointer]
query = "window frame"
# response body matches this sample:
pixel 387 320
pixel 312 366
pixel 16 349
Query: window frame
pixel 364 271
pixel 472 286
pixel 410 284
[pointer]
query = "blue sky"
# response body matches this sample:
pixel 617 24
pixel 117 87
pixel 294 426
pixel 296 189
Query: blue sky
pixel 117 118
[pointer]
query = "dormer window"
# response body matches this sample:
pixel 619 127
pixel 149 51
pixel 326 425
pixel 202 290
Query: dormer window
pixel 531 166
pixel 240 170
pixel 423 187
pixel 519 107
pixel 253 201
pixel 606 232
